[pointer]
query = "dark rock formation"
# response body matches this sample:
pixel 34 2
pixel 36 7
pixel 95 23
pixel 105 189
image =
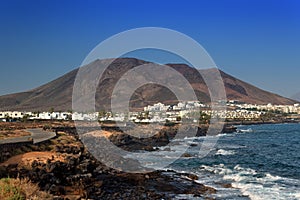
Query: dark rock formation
pixel 82 176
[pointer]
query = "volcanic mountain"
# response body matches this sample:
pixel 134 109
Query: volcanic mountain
pixel 296 96
pixel 57 94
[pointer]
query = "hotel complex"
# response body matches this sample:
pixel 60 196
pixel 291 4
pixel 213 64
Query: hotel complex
pixel 160 112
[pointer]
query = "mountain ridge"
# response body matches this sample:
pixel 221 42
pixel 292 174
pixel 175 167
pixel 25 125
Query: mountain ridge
pixel 296 96
pixel 57 94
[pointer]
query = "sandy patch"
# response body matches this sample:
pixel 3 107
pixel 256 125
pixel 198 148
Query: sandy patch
pixel 101 133
pixel 27 158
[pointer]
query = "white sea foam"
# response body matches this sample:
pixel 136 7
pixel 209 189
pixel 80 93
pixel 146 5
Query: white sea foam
pixel 297 195
pixel 231 146
pixel 249 130
pixel 257 186
pixel 186 196
pixel 225 152
pixel 223 134
pixel 192 138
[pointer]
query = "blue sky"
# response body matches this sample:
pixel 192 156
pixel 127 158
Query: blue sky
pixel 256 41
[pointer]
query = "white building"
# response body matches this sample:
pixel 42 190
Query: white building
pixel 12 114
pixel 157 107
pixel 85 116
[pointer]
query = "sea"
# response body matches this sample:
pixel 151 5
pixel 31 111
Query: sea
pixel 258 162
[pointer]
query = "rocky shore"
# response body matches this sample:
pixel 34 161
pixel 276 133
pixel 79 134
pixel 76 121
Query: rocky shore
pixel 64 168
pixel 161 138
pixel 257 122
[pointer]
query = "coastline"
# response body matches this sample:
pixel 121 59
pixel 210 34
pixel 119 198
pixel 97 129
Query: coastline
pixel 256 122
pixel 63 167
pixel 100 181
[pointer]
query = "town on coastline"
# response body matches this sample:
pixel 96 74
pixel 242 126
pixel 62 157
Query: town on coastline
pixel 85 177
pixel 187 111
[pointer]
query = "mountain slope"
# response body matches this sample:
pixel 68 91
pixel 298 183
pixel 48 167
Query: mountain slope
pixel 57 94
pixel 240 90
pixel 296 96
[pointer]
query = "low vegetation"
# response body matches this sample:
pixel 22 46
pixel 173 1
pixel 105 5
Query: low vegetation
pixel 19 189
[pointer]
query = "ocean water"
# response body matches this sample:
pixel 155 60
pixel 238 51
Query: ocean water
pixel 259 162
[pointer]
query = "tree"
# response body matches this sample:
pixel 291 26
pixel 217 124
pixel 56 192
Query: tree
pixel 7 118
pixel 69 117
pixel 102 113
pixel 146 115
pixel 204 118
pixel 140 116
pixel 267 116
pixel 51 110
pixel 25 117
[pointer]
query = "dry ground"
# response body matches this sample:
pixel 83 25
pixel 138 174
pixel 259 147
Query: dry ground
pixel 5 134
pixel 26 159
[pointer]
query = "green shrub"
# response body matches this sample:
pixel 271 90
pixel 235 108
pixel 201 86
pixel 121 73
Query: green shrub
pixel 20 189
